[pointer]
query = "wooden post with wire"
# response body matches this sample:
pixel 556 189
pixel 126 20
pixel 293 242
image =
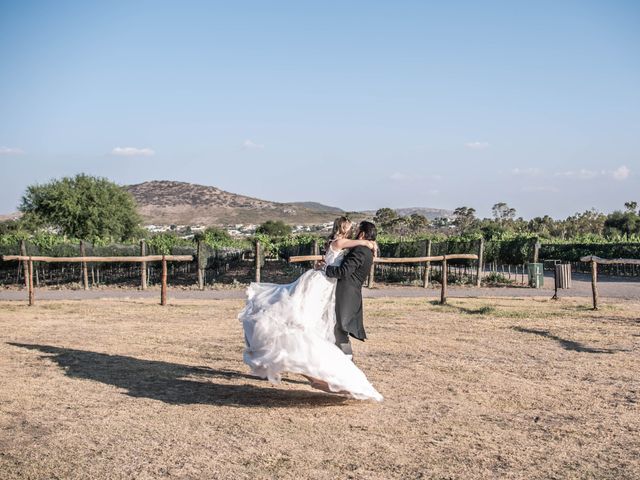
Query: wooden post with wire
pixel 594 283
pixel 85 270
pixel 443 291
pixel 163 288
pixel 258 261
pixel 200 262
pixel 372 271
pixel 30 282
pixel 143 265
pixel 480 260
pixel 25 263
pixel 427 265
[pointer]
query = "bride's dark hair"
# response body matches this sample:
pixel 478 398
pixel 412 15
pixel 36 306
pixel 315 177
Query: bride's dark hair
pixel 341 226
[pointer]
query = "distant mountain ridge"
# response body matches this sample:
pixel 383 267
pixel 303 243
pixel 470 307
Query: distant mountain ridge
pixel 164 202
pixel 181 203
pixel 430 213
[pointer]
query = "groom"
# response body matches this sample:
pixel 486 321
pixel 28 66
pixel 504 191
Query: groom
pixel 351 275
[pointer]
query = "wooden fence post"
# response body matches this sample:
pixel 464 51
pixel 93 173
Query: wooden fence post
pixel 25 264
pixel 85 271
pixel 536 252
pixel 594 283
pixel 372 272
pixel 443 292
pixel 143 265
pixel 163 288
pixel 257 261
pixel 480 260
pixel 316 247
pixel 200 270
pixel 427 266
pixel 30 283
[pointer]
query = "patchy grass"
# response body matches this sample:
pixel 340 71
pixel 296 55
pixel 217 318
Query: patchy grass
pixel 478 388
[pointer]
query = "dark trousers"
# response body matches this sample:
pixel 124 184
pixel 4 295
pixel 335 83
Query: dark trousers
pixel 342 340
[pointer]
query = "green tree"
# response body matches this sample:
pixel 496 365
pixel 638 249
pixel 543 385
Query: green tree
pixel 503 213
pixel 384 218
pixel 622 223
pixel 274 228
pixel 441 222
pixel 464 218
pixel 83 207
pixel 587 222
pixel 214 235
pixel 631 207
pixel 9 226
pixel 543 226
pixel 417 223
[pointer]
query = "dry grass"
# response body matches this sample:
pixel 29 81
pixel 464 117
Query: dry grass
pixel 482 388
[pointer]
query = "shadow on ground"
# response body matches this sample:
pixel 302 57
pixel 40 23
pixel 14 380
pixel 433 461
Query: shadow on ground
pixel 567 344
pixel 170 382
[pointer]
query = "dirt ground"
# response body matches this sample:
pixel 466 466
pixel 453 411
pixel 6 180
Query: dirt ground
pixel 481 388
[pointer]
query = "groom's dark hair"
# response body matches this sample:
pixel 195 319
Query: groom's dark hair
pixel 369 230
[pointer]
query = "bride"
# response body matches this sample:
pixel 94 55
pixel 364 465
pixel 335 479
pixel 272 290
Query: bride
pixel 289 328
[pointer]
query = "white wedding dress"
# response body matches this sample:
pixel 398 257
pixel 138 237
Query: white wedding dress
pixel 289 328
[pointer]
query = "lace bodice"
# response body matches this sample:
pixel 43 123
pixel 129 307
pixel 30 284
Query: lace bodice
pixel 333 257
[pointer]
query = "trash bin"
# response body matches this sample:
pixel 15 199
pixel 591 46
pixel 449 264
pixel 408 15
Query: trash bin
pixel 563 275
pixel 536 275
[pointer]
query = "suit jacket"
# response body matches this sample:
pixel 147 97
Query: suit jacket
pixel 351 275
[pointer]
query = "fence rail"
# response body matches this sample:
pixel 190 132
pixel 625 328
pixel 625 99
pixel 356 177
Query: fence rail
pixel 427 260
pixel 594 260
pixel 146 258
pixel 84 260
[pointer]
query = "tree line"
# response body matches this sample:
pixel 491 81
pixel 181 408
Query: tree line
pixel 590 224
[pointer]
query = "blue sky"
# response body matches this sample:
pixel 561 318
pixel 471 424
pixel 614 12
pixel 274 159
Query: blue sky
pixel 355 104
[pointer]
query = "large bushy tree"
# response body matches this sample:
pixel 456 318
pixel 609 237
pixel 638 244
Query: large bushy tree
pixel 84 207
pixel 385 216
pixel 274 228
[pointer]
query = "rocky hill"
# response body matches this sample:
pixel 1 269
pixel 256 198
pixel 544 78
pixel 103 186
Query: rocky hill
pixel 317 207
pixel 181 203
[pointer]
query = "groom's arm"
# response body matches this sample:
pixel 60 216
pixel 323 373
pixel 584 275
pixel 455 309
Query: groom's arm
pixel 350 264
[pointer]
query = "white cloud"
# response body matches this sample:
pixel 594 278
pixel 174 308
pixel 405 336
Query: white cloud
pixel 582 174
pixel 621 173
pixel 477 145
pixel 251 145
pixel 132 152
pixel 527 172
pixel 398 177
pixel 11 151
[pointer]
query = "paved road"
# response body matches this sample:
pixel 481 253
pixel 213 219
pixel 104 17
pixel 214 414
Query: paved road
pixel 612 288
